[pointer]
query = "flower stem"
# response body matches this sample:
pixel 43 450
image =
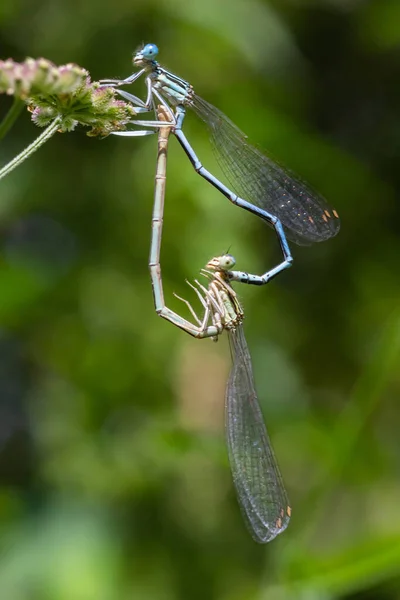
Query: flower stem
pixel 11 116
pixel 43 137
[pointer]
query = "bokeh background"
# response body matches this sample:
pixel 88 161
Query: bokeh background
pixel 115 483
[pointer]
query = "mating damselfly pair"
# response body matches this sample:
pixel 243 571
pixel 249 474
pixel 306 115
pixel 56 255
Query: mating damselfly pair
pixel 286 204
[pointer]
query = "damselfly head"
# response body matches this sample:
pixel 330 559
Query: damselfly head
pixel 221 263
pixel 145 55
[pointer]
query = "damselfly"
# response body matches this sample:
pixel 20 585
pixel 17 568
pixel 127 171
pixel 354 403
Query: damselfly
pixel 272 192
pixel 258 482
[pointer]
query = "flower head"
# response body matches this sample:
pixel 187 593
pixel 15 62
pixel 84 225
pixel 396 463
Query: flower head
pixel 65 92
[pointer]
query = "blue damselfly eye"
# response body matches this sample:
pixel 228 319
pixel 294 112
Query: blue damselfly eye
pixel 150 51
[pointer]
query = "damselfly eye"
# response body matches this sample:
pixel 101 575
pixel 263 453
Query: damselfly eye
pixel 227 261
pixel 150 51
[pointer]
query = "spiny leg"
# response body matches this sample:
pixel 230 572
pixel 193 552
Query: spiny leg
pixel 195 316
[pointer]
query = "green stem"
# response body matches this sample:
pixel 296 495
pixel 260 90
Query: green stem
pixel 43 137
pixel 11 116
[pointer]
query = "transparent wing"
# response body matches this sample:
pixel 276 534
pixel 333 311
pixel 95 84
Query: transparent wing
pixel 305 216
pixel 258 482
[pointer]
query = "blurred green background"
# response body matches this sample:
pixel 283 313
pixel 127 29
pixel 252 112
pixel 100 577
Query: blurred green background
pixel 115 483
